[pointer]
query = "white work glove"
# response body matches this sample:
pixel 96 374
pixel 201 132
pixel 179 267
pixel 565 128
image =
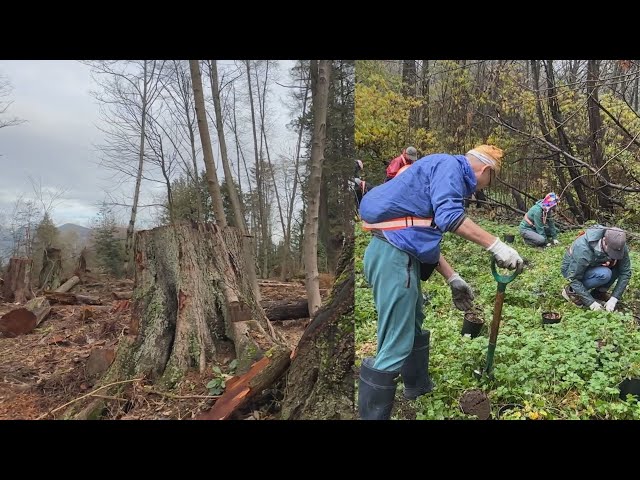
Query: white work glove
pixel 556 242
pixel 611 304
pixel 461 292
pixel 595 306
pixel 506 257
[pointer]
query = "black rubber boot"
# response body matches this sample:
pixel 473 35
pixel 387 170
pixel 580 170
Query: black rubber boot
pixel 415 370
pixel 376 392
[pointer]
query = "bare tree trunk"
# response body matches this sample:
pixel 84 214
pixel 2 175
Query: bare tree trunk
pixel 636 87
pixel 235 133
pixel 17 282
pixel 231 188
pixel 535 68
pixel 409 88
pixel 266 145
pixel 426 82
pixel 287 238
pixel 596 132
pixel 203 127
pixel 263 235
pixel 320 75
pixel 563 140
pixel 136 193
pixel 264 241
pixel 192 144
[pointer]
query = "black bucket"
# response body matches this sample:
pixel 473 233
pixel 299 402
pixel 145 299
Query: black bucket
pixel 551 317
pixel 509 238
pixel 630 385
pixel 472 324
pixel 509 406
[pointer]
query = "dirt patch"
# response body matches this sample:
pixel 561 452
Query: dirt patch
pixel 403 409
pixel 476 402
pixel 366 349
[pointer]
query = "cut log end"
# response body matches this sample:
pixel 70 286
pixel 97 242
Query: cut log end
pixel 17 322
pixel 23 320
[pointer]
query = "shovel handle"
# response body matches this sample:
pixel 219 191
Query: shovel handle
pixel 504 279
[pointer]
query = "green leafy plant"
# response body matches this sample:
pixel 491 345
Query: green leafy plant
pixel 218 383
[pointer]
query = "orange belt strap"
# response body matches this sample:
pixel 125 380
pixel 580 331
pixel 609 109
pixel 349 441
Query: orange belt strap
pixel 398 223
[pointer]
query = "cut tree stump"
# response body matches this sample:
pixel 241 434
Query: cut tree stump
pixel 17 282
pixel 286 310
pixel 81 265
pixel 20 321
pixel 51 269
pixel 239 390
pixel 192 295
pixel 67 298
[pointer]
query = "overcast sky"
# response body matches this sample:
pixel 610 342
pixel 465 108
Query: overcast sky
pixel 55 144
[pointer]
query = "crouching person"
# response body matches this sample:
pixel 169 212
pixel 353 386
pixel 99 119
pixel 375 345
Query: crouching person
pixel 538 227
pixel 596 261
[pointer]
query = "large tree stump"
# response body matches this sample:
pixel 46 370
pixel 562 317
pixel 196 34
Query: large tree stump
pixel 320 380
pixel 51 269
pixel 17 282
pixel 191 294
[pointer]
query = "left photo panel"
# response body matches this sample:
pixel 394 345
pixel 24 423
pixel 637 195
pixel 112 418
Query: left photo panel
pixel 176 239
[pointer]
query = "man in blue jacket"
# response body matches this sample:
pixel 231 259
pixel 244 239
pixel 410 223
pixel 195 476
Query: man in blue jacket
pixel 408 217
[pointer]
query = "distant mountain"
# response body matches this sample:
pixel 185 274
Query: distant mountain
pixel 84 236
pixel 83 232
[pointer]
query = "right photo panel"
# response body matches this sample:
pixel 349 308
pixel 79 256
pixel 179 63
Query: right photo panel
pixel 497 211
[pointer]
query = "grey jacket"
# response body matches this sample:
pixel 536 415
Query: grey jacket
pixel 583 255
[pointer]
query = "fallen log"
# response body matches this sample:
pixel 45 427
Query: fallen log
pixel 263 283
pixel 122 295
pixel 286 310
pixel 66 298
pixel 61 308
pixel 239 390
pixel 20 321
pixel 68 285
